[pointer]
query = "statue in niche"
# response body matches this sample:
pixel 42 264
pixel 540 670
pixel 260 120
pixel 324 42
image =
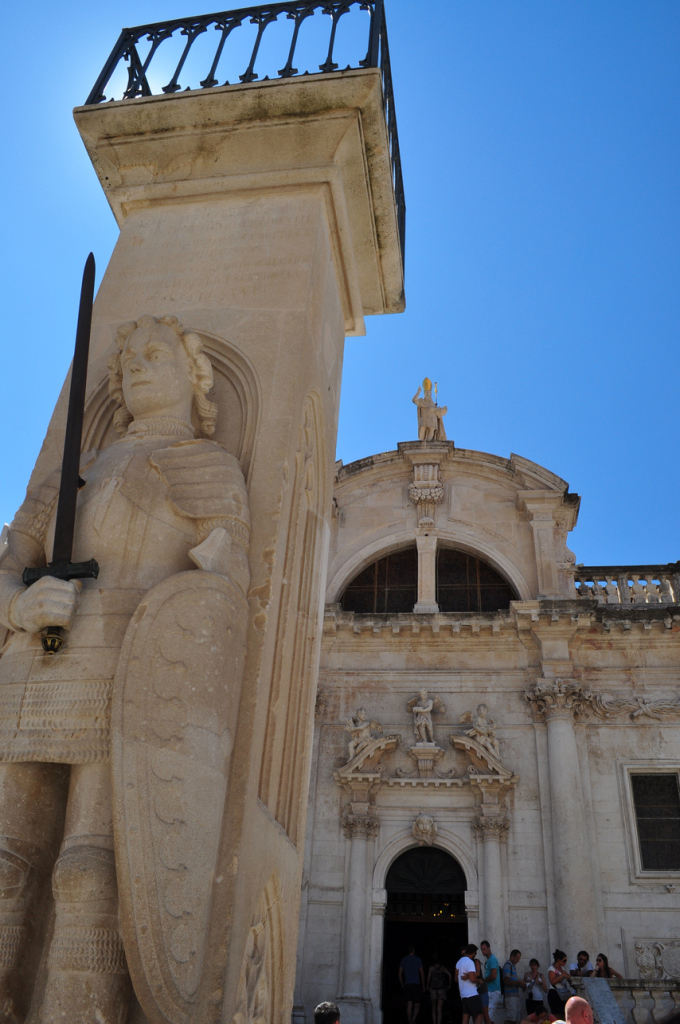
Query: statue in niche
pixel 422 707
pixel 360 727
pixel 430 415
pixel 149 680
pixel 483 729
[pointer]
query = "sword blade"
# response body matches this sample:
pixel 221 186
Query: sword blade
pixel 70 467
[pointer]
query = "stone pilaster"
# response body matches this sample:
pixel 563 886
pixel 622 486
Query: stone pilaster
pixel 558 702
pixel 551 518
pixel 491 832
pixel 358 828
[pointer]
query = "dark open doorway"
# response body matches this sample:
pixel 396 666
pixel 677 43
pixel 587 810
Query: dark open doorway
pixel 426 908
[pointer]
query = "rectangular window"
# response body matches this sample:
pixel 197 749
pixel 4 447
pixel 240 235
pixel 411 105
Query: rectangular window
pixel 657 810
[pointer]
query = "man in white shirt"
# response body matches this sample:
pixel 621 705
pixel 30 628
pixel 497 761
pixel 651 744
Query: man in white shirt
pixel 466 973
pixel 583 967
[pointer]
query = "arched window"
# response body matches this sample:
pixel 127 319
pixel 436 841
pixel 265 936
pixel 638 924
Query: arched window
pixel 466 584
pixel 388 585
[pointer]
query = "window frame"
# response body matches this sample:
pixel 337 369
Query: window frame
pixel 638 874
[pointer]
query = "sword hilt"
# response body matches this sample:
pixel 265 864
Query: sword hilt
pixel 52 638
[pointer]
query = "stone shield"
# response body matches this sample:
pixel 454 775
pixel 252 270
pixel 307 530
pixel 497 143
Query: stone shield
pixel 175 702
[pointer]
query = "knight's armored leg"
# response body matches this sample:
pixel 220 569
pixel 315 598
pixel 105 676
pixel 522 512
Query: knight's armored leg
pixel 87 978
pixel 31 819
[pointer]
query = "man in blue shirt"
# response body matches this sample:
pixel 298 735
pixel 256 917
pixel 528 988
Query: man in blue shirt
pixel 512 986
pixel 492 977
pixel 412 980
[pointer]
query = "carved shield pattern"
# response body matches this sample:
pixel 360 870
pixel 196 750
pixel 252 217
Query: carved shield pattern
pixel 175 702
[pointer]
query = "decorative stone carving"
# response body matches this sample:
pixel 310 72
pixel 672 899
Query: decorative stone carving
pixel 424 830
pixel 161 498
pixel 321 704
pixel 262 968
pixel 421 708
pixel 425 757
pixel 365 750
pixel 658 959
pixel 483 729
pixel 430 415
pixel 559 698
pixel 426 491
pixel 637 707
pixel 362 732
pixel 491 828
pixel 360 826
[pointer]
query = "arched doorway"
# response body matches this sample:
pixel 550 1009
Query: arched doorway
pixel 425 907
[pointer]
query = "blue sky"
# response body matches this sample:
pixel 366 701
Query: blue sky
pixel 540 150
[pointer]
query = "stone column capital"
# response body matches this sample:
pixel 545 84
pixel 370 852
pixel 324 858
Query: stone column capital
pixel 360 826
pixel 494 829
pixel 559 698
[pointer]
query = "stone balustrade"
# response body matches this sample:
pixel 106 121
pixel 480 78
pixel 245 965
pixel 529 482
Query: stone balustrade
pixel 629 585
pixel 642 1002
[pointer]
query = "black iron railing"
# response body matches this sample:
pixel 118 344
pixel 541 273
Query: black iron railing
pixel 145 52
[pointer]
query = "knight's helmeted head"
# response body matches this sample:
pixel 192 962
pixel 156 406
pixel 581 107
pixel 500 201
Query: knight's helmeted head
pixel 154 360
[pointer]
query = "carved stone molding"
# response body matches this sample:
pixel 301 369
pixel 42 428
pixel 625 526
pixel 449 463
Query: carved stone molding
pixel 424 830
pixel 495 828
pixel 637 707
pixel 559 698
pixel 426 491
pixel 360 826
pixel 658 959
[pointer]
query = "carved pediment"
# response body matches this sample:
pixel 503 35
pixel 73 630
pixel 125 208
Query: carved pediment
pixel 367 761
pixel 482 760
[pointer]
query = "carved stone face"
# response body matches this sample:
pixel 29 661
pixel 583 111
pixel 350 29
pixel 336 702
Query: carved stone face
pixel 482 710
pixel 156 373
pixel 422 694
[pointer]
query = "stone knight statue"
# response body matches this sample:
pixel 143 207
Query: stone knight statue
pixel 430 415
pixel 114 752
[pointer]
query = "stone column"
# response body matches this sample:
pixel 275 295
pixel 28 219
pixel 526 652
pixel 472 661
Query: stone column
pixel 261 215
pixel 427 573
pixel 558 701
pixel 492 832
pixel 358 830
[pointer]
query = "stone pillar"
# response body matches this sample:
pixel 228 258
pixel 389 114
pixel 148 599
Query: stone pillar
pixel 427 573
pixel 558 701
pixel 492 832
pixel 358 830
pixel 262 216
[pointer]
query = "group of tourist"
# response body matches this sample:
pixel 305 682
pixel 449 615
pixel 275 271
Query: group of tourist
pixel 491 993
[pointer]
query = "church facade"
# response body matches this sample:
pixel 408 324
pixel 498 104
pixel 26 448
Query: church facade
pixel 496 751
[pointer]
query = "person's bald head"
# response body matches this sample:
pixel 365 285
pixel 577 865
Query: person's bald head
pixel 578 1011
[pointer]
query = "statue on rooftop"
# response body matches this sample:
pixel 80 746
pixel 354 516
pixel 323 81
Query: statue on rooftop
pixel 140 704
pixel 430 415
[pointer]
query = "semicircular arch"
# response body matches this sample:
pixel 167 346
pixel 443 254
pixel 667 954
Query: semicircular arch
pixel 446 840
pixel 371 551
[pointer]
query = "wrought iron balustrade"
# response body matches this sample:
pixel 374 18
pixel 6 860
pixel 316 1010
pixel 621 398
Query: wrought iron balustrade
pixel 145 55
pixel 629 585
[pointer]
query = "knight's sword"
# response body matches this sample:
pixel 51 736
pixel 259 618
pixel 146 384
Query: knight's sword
pixel 61 565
